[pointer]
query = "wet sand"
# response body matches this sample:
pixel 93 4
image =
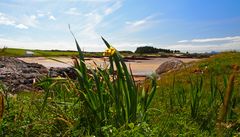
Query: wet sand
pixel 139 67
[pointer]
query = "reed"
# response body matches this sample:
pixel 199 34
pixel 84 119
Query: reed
pixel 196 96
pixel 226 107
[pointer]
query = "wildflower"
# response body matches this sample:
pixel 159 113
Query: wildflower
pixel 109 52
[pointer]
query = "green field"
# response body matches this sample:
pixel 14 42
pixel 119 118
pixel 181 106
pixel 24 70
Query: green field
pixel 22 52
pixel 201 99
pixel 13 52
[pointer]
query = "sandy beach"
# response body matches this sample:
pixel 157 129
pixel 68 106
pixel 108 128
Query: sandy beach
pixel 139 67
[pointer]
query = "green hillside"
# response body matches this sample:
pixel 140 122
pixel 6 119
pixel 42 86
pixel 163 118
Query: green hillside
pixel 190 101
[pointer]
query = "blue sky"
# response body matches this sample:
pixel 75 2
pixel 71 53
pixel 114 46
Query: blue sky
pixel 186 25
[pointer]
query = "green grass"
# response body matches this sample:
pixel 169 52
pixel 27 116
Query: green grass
pixel 14 52
pixel 188 102
pixel 96 101
pixel 22 52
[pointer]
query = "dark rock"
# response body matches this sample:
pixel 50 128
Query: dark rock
pixel 28 81
pixel 170 65
pixel 2 65
pixel 63 72
pixel 29 70
pixel 18 75
pixel 30 75
pixel 2 77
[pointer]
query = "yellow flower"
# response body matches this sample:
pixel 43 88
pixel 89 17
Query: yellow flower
pixel 109 52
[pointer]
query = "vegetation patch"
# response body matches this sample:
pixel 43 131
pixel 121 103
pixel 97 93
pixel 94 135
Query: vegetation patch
pixel 201 99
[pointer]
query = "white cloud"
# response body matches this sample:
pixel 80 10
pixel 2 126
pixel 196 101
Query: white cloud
pixel 234 38
pixel 29 20
pixel 21 26
pixel 216 39
pixel 61 45
pixel 5 20
pixel 114 7
pixel 30 44
pixel 92 20
pixel 40 15
pixel 183 41
pixel 88 28
pixel 73 11
pixel 205 48
pixel 208 44
pixel 44 14
pixel 138 25
pixel 51 17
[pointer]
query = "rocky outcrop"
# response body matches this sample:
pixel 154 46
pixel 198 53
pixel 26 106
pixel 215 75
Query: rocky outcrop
pixel 18 75
pixel 171 65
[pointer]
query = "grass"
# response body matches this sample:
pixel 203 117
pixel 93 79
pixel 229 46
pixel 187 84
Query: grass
pixel 14 52
pixel 21 52
pixel 196 103
pixel 201 99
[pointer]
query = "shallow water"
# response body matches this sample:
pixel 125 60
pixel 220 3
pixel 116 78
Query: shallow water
pixel 139 67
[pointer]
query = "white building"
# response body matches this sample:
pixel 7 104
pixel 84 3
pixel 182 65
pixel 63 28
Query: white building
pixel 29 53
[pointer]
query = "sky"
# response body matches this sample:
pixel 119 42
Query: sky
pixel 185 25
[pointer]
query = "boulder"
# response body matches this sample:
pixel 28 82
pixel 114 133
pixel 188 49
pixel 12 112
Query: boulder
pixel 171 65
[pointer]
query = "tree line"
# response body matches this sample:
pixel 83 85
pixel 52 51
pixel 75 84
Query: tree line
pixel 149 49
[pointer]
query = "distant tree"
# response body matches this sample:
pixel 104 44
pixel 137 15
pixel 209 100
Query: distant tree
pixel 146 49
pixel 165 50
pixel 149 49
pixel 126 52
pixel 176 51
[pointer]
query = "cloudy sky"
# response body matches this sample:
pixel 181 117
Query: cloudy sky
pixel 186 25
